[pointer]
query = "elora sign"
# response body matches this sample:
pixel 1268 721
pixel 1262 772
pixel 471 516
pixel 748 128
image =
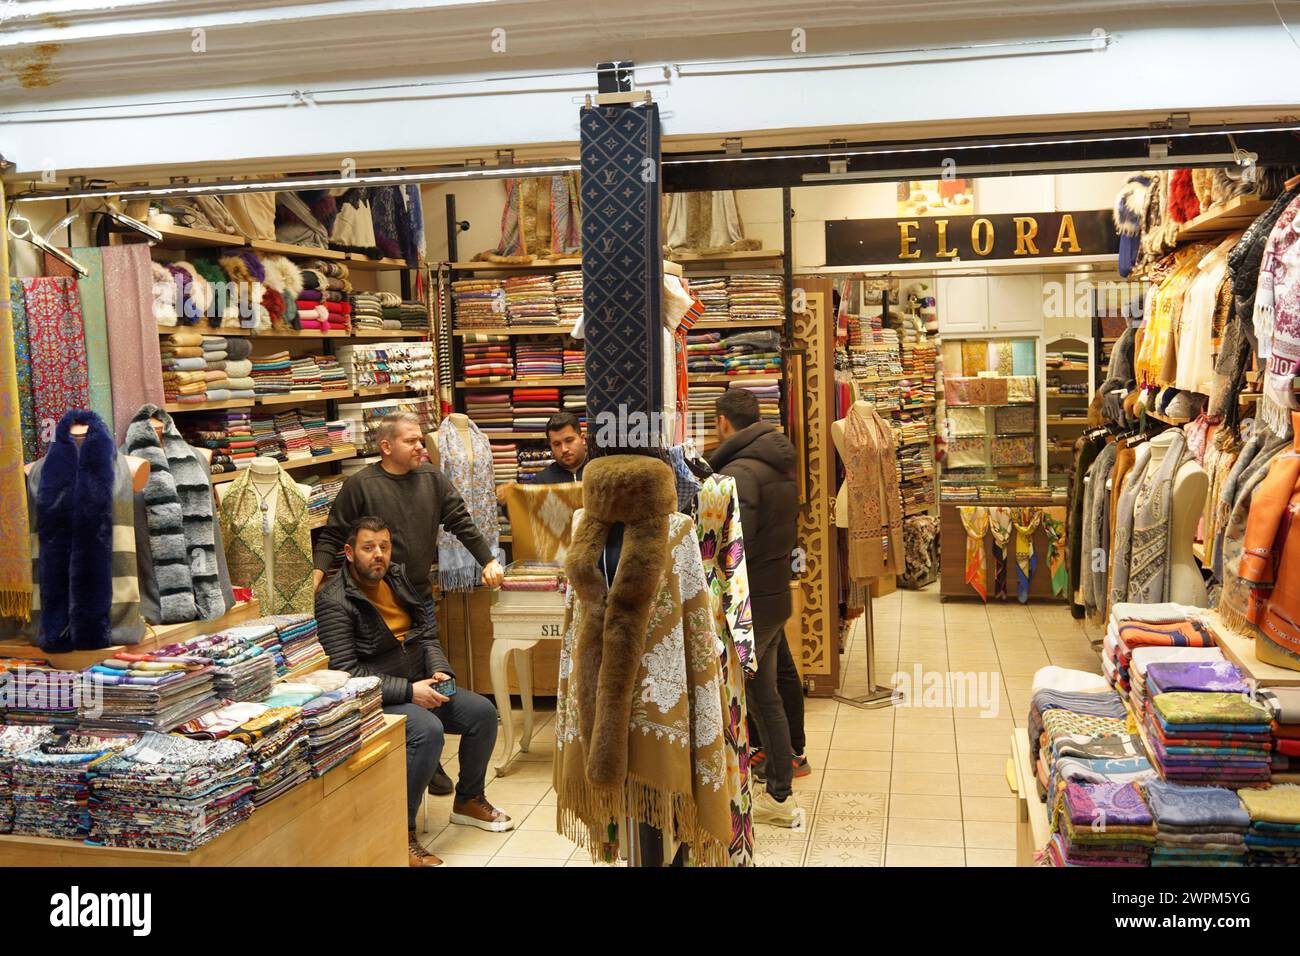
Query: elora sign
pixel 851 242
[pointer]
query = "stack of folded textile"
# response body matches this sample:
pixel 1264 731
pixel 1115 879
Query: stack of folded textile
pixel 333 722
pixel 221 723
pixel 323 304
pixel 278 745
pixel 1197 826
pixel 533 576
pixel 185 370
pixel 15 741
pixel 273 373
pixel 488 358
pixel 538 360
pixel 238 366
pixel 333 377
pixel 243 666
pixel 269 442
pixel 216 355
pixel 755 298
pixel 1273 838
pixel 749 353
pixel 51 783
pixel 288 693
pixel 705 353
pixel 369 692
pixel 323 492
pixel 1144 657
pixel 1081 706
pixel 413 317
pixel 568 295
pixel 703 415
pixel 147 692
pixel 505 462
pixel 305 375
pixel 264 635
pixel 170 793
pixel 297 444
pixel 1148 625
pixel 43 695
pixel 391 304
pixel 712 293
pixel 1206 737
pixel 367 313
pixel 491 412
pixel 768 392
pixel 533 408
pixel 1101 824
pixel 342 435
pixel 317 433
pixel 530 300
pixel 239 433
pixel 299 641
pixel 574 401
pixel 210 433
pixel 480 303
pixel 532 461
pixel 574 363
pixel 1284 706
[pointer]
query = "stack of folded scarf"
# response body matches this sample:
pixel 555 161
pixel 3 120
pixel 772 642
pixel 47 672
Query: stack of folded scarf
pixel 305 375
pixel 505 462
pixel 1077 698
pixel 574 363
pixel 491 412
pixel 568 295
pixel 317 433
pixel 185 370
pixel 51 783
pixel 210 432
pixel 1206 737
pixel 1284 706
pixel 297 444
pixel 367 313
pixel 333 722
pixel 238 367
pixel 391 305
pixel 342 435
pixel 702 411
pixel 147 692
pixel 170 793
pixel 220 723
pixel 243 667
pixel 1148 625
pixel 323 492
pixel 712 293
pixel 488 358
pixel 413 317
pixel 1273 838
pixel 533 460
pixel 299 641
pixel 15 741
pixel 533 576
pixel 273 373
pixel 333 376
pixel 1101 824
pixel 753 298
pixel 705 353
pixel 1197 826
pixel 269 442
pixel 533 408
pixel 530 300
pixel 216 354
pixel 752 352
pixel 538 360
pixel 574 402
pixel 1144 657
pixel 279 748
pixel 42 695
pixel 369 692
pixel 768 393
pixel 480 303
pixel 239 431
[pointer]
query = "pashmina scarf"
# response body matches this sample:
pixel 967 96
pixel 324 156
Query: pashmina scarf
pixel 875 507
pixel 134 354
pixel 1054 528
pixel 22 363
pixel 1026 522
pixel 1152 509
pixel 57 343
pixel 1093 565
pixel 241 530
pixel 1122 542
pixel 976 522
pixel 178 505
pixel 541 519
pixel 1000 527
pixel 470 472
pixel 16 416
pixel 1235 599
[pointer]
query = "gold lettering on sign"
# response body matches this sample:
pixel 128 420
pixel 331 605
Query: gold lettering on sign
pixel 944 252
pixel 906 240
pixel 1026 229
pixel 982 247
pixel 1067 234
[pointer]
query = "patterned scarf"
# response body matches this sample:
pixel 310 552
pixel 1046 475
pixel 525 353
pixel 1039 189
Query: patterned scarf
pixel 541 519
pixel 15 417
pixel 1026 522
pixel 1277 318
pixel 242 531
pixel 1054 528
pixel 976 522
pixel 57 341
pixel 875 507
pixel 457 569
pixel 1122 541
pixel 1093 566
pixel 22 370
pixel 1000 526
pixel 1152 508
pixel 1235 600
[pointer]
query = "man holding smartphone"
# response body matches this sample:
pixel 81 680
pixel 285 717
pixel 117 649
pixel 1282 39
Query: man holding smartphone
pixel 373 622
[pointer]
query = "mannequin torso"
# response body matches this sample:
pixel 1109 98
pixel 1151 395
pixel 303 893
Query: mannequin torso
pixel 264 476
pixel 837 436
pixel 139 467
pixel 1191 484
pixel 461 423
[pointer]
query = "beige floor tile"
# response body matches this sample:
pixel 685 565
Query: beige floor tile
pixel 461 859
pixel 847 803
pixel 823 720
pixel 538 844
pixel 989 809
pixel 852 721
pixel 535 818
pixel 985 763
pixel 817 739
pixel 858 760
pixel 908 832
pixel 862 781
pixel 990 836
pixel 508 790
pixel 991 743
pixel 923 720
pixel 920 806
pixel 548 799
pixel 523 861
pixel 983 725
pixel 783 855
pixel 976 857
pixel 900 855
pixel 819 705
pixel 924 743
pixel 853 829
pixel 940 784
pixel 837 852
pixel 984 785
pixel 469 841
pixel 862 740
pixel 582 859
pixel 924 763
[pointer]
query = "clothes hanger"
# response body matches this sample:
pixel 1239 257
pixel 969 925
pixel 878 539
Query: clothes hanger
pixel 114 221
pixel 20 228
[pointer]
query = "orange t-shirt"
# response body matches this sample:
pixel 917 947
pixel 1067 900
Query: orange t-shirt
pixel 385 601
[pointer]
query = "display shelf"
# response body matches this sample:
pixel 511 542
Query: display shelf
pixel 1235 214
pixel 181 237
pixel 721 378
pixel 476 266
pixel 293 398
pixel 1057 393
pixel 915 407
pixel 516 330
pixel 319 522
pixel 917 510
pixel 302 334
pixel 370 334
pixel 747 255
pixel 365 264
pixel 1168 421
pixel 292 464
pixel 991 404
pixel 524 383
pixel 1066 421
pixel 296 252
pixel 370 391
pixel 209 406
pixel 1070 367
pixel 521 436
pixel 1240 649
pixel 918 441
pixel 205 330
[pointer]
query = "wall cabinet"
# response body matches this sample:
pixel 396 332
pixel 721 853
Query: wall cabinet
pixel 993 304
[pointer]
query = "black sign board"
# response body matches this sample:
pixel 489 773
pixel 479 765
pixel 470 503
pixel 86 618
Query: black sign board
pixel 1034 235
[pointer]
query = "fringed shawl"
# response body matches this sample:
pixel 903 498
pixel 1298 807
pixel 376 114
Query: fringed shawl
pixel 1092 570
pixel 875 508
pixel 476 482
pixel 1122 541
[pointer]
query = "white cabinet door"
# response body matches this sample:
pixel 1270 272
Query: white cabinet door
pixel 963 304
pixel 1016 303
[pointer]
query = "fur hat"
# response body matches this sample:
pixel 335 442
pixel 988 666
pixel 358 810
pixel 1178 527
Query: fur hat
pixel 164 295
pixel 282 275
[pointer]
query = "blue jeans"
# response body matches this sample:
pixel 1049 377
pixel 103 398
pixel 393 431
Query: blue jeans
pixel 468 714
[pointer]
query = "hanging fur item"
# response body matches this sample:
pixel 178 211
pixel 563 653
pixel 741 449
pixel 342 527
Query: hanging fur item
pixel 178 502
pixel 1130 203
pixel 1183 204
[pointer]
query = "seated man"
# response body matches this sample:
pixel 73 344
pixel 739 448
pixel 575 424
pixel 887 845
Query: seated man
pixel 371 622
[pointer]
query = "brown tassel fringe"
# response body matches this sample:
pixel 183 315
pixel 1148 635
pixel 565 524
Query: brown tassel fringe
pixel 16 604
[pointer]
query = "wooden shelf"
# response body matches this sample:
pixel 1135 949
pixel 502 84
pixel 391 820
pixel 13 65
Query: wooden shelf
pixel 918 441
pixel 747 255
pixel 525 383
pixel 179 237
pixel 375 391
pixel 1057 393
pixel 721 378
pixel 368 334
pixel 517 330
pixel 292 464
pixel 1067 421
pixel 302 334
pixel 1070 367
pixel 209 406
pixel 568 263
pixel 682 258
pixel 365 264
pixel 521 436
pixel 917 510
pixel 204 330
pixel 915 408
pixel 1235 214
pixel 294 398
pixel 1240 649
pixel 296 252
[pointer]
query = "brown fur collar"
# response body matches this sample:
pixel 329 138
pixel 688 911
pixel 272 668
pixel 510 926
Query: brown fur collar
pixel 639 492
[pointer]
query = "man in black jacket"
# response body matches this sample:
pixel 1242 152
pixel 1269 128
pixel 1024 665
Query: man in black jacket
pixel 373 622
pixel 762 462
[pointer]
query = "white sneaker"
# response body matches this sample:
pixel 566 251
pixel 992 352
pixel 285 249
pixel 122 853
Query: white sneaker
pixel 777 813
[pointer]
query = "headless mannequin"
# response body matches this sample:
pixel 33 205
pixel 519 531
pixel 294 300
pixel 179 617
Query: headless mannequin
pixel 1191 485
pixel 139 467
pixel 264 476
pixel 838 430
pixel 460 422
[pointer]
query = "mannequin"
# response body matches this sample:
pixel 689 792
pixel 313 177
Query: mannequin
pixel 1191 484
pixel 460 422
pixel 264 474
pixel 139 467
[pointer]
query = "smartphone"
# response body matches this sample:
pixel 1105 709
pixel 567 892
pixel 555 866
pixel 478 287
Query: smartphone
pixel 447 688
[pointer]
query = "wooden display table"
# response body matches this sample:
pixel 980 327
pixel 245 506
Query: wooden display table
pixel 355 815
pixel 1240 649
pixel 1032 831
pixel 952 553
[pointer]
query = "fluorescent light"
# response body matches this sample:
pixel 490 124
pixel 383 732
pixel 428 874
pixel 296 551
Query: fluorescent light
pixel 1069 165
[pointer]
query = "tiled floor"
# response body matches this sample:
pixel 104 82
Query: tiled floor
pixel 905 786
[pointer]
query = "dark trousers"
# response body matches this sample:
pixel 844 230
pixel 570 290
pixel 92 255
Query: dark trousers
pixel 790 688
pixel 468 714
pixel 768 711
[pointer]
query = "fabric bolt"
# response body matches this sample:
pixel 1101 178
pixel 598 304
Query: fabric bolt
pixel 134 358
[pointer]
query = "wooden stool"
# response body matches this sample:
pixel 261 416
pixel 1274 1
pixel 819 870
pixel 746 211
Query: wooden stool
pixel 519 620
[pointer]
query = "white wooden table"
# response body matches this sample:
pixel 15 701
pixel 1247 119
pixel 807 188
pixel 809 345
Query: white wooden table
pixel 519 622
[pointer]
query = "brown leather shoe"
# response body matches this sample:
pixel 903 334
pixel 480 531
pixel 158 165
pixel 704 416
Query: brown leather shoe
pixel 477 812
pixel 418 855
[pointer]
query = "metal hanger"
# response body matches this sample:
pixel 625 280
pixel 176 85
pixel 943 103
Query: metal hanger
pixel 114 221
pixel 20 228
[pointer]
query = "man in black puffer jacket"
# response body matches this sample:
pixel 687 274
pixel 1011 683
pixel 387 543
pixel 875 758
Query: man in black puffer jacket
pixel 372 622
pixel 762 461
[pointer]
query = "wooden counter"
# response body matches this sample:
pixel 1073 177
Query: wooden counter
pixel 1032 831
pixel 952 556
pixel 355 815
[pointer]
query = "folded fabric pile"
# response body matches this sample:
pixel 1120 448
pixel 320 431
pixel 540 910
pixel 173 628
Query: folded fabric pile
pixel 292 694
pixel 299 641
pixel 44 695
pixel 270 444
pixel 705 353
pixel 1068 712
pixel 369 692
pixel 367 313
pixel 413 317
pixel 170 793
pixel 1148 625
pixel 479 303
pixel 702 413
pixel 538 360
pixel 1206 737
pixel 342 435
pixel 505 462
pixel 533 576
pixel 15 741
pixel 317 433
pixel 305 374
pixel 530 300
pixel 918 364
pixel 1284 706
pixel 390 303
pixel 568 296
pixel 1144 657
pixel 323 304
pixel 754 298
pixel 768 392
pixel 1197 826
pixel 532 461
pixel 1273 838
pixel 210 432
pixel 273 374
pixel 243 664
pixel 333 722
pixel 297 444
pixel 533 408
pixel 488 358
pixel 321 500
pixel 264 634
pixel 712 293
pixel 748 353
pixel 492 412
pixel 1101 824
pixel 199 368
pixel 278 745
pixel 574 363
pixel 51 783
pixel 147 692
pixel 239 435
pixel 221 723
